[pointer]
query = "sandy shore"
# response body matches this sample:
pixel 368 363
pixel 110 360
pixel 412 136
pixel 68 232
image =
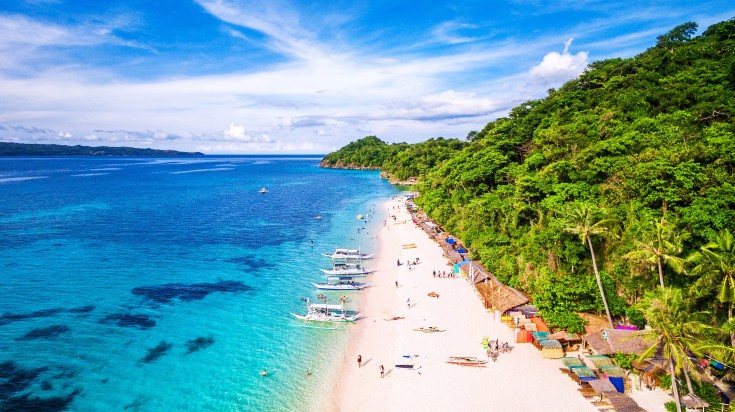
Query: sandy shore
pixel 519 381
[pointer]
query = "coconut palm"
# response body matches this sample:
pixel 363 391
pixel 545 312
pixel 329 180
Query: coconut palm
pixel 582 222
pixel 676 331
pixel 661 246
pixel 716 268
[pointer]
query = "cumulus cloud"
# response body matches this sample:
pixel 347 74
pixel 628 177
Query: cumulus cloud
pixel 237 133
pixel 557 68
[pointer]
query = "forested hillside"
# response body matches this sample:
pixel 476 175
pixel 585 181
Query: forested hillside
pixel 31 149
pixel 637 155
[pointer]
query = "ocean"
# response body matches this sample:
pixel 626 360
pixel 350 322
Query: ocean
pixel 161 284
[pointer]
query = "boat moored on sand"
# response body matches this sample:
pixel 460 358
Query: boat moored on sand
pixel 323 312
pixel 347 268
pixel 348 254
pixel 466 361
pixel 343 282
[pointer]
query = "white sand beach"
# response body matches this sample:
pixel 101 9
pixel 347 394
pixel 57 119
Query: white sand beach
pixel 519 381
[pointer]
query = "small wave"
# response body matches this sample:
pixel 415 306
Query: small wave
pixel 102 169
pixel 20 179
pixel 216 169
pixel 91 174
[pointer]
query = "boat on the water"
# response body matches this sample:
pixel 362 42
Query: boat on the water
pixel 466 361
pixel 347 268
pixel 340 286
pixel 323 312
pixel 348 254
pixel 263 190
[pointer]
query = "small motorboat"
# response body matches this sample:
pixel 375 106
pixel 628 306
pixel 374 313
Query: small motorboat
pixel 263 190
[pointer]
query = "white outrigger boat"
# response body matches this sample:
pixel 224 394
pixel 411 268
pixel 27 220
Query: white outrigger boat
pixel 348 254
pixel 343 282
pixel 322 312
pixel 346 268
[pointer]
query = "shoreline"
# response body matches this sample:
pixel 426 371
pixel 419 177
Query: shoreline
pixel 519 380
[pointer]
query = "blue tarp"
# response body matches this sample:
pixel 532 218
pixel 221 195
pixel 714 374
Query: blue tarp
pixel 461 250
pixel 451 241
pixel 617 383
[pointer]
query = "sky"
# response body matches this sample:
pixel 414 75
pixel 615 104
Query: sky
pixel 260 77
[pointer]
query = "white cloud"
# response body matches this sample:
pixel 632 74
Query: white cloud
pixel 453 32
pixel 237 133
pixel 557 68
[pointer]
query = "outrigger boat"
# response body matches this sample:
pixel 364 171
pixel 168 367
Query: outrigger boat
pixel 430 329
pixel 322 312
pixel 348 254
pixel 466 361
pixel 341 283
pixel 346 268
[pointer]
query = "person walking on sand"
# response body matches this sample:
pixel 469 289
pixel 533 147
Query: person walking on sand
pixel 408 302
pixel 396 283
pixel 359 361
pixel 382 371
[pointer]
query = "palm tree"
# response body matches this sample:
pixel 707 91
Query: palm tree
pixel 582 223
pixel 716 267
pixel 661 247
pixel 675 331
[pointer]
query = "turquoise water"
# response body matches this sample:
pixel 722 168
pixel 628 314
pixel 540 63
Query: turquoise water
pixel 167 284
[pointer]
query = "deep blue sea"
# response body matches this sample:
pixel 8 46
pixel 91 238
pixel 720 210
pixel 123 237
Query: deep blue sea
pixel 145 284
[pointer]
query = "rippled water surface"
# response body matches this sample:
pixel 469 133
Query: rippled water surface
pixel 167 284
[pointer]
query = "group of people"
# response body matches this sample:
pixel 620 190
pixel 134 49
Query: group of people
pixel 443 274
pixel 495 348
pixel 381 367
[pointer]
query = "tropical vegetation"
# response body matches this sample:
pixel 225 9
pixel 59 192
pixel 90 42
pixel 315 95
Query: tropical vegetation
pixel 614 194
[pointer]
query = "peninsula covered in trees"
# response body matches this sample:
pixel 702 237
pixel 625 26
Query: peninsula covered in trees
pixel 25 149
pixel 614 194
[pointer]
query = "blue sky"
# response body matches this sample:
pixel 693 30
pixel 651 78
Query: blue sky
pixel 230 76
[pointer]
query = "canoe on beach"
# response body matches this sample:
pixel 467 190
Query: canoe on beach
pixel 430 329
pixel 466 361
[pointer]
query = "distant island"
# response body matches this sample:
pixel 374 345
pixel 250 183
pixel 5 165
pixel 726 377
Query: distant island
pixel 27 149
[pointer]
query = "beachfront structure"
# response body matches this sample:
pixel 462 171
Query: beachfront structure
pixel 494 293
pixel 610 341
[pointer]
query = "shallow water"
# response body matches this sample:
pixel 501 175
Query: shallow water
pixel 167 284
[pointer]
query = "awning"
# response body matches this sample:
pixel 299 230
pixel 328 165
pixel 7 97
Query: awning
pixel 451 241
pixel 461 250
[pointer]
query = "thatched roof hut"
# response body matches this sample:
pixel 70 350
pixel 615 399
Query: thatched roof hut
pixel 496 294
pixel 610 341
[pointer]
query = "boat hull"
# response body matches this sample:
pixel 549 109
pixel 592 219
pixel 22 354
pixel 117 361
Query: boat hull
pixel 328 319
pixel 326 286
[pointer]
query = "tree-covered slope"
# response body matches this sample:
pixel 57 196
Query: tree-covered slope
pixel 28 149
pixel 644 146
pixel 634 139
pixel 400 161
